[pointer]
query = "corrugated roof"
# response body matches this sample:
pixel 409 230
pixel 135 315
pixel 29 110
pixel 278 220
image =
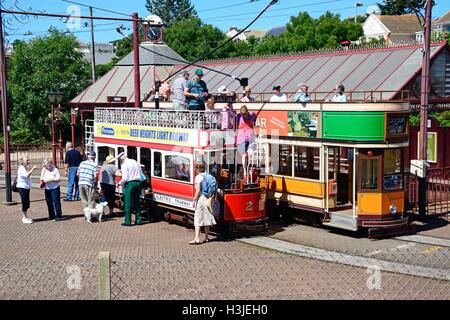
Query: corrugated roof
pixel 404 24
pixel 444 19
pixel 380 69
pixel 164 56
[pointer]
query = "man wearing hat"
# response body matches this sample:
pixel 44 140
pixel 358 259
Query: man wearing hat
pixel 302 94
pixel 108 182
pixel 131 186
pixel 277 95
pixel 87 179
pixel 196 92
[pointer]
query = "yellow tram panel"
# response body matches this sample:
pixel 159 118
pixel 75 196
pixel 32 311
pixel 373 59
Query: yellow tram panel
pixel 377 204
pixel 314 189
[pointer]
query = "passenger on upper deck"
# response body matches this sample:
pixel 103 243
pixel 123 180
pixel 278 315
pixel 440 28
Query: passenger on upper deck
pixel 277 95
pixel 196 92
pixel 164 91
pixel 245 122
pixel 302 94
pixel 247 97
pixel 178 86
pixel 212 117
pixel 339 96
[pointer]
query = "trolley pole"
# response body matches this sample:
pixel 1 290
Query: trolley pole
pixel 137 76
pixel 424 109
pixel 8 191
pixel 92 46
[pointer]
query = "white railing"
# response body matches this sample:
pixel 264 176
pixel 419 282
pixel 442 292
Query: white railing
pixel 200 120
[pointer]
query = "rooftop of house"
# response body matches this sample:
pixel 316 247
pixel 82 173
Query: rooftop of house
pixel 444 19
pixel 404 24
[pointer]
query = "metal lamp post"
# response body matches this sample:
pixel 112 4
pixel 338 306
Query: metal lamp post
pixel 73 120
pixel 357 4
pixel 59 95
pixel 52 98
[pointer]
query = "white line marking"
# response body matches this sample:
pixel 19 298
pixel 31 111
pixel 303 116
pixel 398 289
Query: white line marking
pixel 342 258
pixel 426 240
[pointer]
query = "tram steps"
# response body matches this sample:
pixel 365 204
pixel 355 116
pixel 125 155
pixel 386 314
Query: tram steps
pixel 343 221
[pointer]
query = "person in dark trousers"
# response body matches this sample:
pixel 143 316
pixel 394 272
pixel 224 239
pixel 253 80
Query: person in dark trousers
pixel 50 179
pixel 24 186
pixel 72 162
pixel 108 182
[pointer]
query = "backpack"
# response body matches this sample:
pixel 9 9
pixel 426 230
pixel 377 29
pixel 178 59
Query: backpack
pixel 209 185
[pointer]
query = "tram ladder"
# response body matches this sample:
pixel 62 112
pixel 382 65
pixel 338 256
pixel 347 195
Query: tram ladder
pixel 89 135
pixel 257 156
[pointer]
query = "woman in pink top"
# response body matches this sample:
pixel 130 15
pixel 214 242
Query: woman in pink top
pixel 246 132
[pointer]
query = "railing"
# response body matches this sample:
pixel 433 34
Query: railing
pixel 200 120
pixel 37 153
pixel 438 191
pixel 325 96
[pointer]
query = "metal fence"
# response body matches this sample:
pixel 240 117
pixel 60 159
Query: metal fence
pixel 36 152
pixel 401 274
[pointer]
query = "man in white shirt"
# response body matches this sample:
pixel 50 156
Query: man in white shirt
pixel 131 186
pixel 277 95
pixel 339 96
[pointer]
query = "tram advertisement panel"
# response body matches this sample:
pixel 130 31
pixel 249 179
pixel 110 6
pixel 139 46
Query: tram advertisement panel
pixel 289 123
pixel 173 136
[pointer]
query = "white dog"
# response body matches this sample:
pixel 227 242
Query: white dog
pixel 97 212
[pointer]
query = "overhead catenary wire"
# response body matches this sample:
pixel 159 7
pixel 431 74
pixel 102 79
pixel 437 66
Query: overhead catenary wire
pixel 97 8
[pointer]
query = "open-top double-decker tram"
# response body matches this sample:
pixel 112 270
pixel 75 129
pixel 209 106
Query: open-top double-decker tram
pixel 340 162
pixel 169 144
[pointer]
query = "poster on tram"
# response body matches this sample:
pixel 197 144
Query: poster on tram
pixel 289 123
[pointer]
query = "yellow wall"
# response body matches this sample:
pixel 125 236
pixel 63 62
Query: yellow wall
pixel 293 186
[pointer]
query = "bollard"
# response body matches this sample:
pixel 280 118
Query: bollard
pixel 105 276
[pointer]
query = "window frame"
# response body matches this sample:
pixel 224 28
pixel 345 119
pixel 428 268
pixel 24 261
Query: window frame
pixel 362 157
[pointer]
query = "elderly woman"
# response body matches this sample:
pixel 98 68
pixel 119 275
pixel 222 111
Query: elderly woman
pixel 50 181
pixel 24 186
pixel 108 182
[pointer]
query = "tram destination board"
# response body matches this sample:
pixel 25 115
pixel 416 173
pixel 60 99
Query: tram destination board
pixel 224 98
pixel 396 126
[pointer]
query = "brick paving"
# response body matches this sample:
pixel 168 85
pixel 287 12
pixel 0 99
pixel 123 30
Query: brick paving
pixel 155 261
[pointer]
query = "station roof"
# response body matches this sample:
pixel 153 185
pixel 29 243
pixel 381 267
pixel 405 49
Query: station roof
pixel 387 69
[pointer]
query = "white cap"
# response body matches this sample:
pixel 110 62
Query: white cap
pixel 222 89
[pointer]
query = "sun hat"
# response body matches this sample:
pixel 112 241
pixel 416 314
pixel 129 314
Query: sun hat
pixel 120 155
pixel 110 159
pixel 301 84
pixel 222 89
pixel 199 72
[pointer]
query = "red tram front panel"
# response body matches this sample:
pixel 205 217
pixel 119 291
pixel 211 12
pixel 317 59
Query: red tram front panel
pixel 244 206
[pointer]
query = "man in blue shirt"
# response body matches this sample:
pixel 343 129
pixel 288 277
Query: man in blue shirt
pixel 302 94
pixel 72 162
pixel 196 92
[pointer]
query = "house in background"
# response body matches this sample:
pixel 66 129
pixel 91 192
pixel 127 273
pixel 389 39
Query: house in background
pixel 104 52
pixel 393 29
pixel 244 36
pixel 438 27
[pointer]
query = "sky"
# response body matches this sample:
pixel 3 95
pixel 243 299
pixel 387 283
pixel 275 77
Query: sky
pixel 222 14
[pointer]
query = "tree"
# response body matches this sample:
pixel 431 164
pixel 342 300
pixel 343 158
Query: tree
pixel 171 10
pixel 192 39
pixel 38 66
pixel 304 32
pixel 399 7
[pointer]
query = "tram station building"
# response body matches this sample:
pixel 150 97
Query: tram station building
pixel 390 73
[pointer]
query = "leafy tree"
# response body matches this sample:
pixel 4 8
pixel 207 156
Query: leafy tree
pixel 38 66
pixel 171 10
pixel 191 38
pixel 399 7
pixel 304 32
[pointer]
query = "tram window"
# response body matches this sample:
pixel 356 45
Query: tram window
pixel 157 164
pixel 369 174
pixel 392 161
pixel 306 162
pixel 177 167
pixel 281 159
pixel 132 153
pixel 146 159
pixel 119 151
pixel 102 153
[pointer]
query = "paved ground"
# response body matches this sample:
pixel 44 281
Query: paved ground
pixel 154 261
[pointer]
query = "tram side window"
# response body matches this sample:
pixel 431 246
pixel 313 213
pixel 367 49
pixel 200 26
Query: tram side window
pixel 392 169
pixel 369 174
pixel 132 153
pixel 281 159
pixel 146 159
pixel 177 167
pixel 306 162
pixel 119 151
pixel 103 152
pixel 157 164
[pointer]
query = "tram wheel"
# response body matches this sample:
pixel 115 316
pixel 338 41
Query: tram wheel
pixel 168 217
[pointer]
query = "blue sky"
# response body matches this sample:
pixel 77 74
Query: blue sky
pixel 222 14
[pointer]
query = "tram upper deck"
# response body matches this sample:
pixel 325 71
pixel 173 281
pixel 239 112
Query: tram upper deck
pixel 362 123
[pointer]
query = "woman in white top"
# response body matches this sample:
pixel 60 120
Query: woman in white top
pixel 50 181
pixel 24 186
